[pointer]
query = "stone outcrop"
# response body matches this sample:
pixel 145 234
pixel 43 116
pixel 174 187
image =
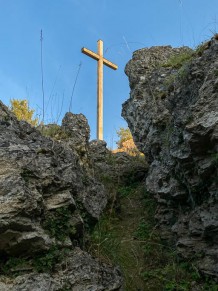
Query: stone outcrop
pixel 119 167
pixel 172 113
pixel 78 272
pixel 47 195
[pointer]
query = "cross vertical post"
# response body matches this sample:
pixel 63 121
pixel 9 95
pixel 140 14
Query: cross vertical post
pixel 100 92
pixel 101 62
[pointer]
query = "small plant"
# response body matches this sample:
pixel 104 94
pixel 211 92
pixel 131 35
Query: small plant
pixel 54 131
pixel 178 60
pixel 183 72
pixel 43 262
pixel 125 191
pixel 13 266
pixel 210 285
pixel 58 224
pixel 202 47
pixel 143 231
pixel 47 261
pixel 172 277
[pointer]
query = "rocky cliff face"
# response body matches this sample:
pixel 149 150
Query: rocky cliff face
pixel 47 194
pixel 172 113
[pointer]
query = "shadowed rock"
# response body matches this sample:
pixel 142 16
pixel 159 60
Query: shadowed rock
pixel 47 190
pixel 172 113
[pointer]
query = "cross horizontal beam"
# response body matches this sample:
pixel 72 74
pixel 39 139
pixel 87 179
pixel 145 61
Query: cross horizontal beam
pixel 97 58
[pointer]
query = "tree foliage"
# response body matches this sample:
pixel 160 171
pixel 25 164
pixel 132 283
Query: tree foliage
pixel 124 135
pixel 126 143
pixel 22 111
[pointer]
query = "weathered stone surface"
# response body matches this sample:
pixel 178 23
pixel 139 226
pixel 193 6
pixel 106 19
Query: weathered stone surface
pixel 77 129
pixel 172 113
pixel 79 272
pixel 119 167
pixel 47 183
pixel 39 174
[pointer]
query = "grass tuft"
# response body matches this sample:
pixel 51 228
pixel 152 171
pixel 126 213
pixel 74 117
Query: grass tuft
pixel 177 61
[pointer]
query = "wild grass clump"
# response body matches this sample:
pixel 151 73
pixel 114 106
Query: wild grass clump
pixel 113 243
pixel 109 245
pixel 202 47
pixel 131 240
pixel 54 131
pixel 126 190
pixel 178 60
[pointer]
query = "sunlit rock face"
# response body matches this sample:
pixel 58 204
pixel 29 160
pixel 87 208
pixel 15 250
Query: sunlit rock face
pixel 172 113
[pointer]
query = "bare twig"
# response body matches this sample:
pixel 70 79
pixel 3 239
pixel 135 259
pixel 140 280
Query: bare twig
pixel 42 73
pixel 61 108
pixel 74 86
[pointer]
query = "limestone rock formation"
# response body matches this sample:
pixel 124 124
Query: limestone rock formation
pixel 172 113
pixel 78 272
pixel 118 167
pixel 47 194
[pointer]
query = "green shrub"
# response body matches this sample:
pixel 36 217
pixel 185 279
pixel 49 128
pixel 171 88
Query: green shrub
pixel 47 261
pixel 43 262
pixel 12 266
pixel 57 223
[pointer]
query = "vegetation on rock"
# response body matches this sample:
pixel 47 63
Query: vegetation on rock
pixel 43 262
pixel 177 132
pixel 178 60
pixel 54 131
pixel 22 111
pixel 58 223
pixel 130 239
pixel 126 143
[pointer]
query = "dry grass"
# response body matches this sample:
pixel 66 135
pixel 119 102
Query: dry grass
pixel 130 239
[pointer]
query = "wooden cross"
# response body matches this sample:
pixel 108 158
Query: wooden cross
pixel 101 61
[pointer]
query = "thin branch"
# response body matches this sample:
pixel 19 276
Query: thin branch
pixel 42 73
pixel 74 86
pixel 60 109
pixel 52 90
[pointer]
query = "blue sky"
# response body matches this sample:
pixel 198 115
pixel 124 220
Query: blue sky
pixel 69 25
